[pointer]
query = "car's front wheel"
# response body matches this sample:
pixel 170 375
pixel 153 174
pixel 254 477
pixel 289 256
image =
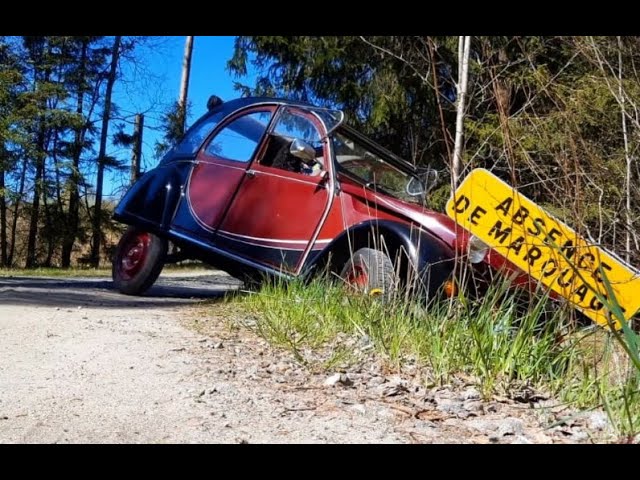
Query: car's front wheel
pixel 371 272
pixel 138 261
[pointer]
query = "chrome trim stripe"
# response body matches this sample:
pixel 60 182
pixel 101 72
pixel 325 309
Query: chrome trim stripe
pixel 259 244
pixel 272 240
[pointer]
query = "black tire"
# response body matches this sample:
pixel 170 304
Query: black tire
pixel 371 272
pixel 138 261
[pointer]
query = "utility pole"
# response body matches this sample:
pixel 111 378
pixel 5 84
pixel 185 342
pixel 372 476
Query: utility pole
pixel 184 84
pixel 136 156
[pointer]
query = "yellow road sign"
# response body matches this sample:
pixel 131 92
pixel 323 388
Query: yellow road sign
pixel 543 246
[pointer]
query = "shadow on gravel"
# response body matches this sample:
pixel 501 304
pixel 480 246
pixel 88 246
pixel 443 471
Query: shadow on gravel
pixel 99 293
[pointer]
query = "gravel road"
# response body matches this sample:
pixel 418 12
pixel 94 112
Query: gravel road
pixel 80 363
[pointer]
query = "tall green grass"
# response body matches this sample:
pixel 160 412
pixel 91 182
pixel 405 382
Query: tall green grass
pixel 496 341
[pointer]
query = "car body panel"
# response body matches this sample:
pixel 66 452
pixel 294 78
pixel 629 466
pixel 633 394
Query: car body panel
pixel 247 215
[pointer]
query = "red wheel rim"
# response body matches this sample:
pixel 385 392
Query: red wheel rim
pixel 358 278
pixel 133 255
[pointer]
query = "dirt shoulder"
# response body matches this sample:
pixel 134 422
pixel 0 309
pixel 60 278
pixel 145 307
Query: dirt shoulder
pixel 80 363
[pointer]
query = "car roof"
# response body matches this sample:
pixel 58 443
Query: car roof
pixel 230 106
pixel 237 103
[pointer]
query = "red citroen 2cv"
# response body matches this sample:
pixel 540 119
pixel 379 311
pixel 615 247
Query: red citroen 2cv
pixel 271 186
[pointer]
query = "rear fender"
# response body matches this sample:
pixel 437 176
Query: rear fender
pixel 152 201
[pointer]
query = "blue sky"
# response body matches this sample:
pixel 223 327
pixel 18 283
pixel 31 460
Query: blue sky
pixel 152 85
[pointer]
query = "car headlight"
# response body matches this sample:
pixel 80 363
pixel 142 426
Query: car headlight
pixel 477 249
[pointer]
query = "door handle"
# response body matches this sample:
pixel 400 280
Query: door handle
pixel 251 173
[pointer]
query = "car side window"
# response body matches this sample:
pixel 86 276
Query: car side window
pixel 291 125
pixel 238 140
pixel 191 143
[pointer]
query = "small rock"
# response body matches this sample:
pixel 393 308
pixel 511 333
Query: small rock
pixel 393 388
pixel 451 406
pixel 471 394
pixel 359 408
pixel 79 308
pixel 578 436
pixel 217 345
pixel 282 367
pixel 375 381
pixel 485 427
pixel 510 426
pixel 338 378
pixel 473 406
pixel 365 343
pixel 521 440
pixel 4 417
pixel 597 421
pixel 541 438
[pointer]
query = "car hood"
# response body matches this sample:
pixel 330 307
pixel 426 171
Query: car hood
pixel 437 223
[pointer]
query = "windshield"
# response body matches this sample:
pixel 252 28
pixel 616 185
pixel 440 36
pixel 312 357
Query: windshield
pixel 332 118
pixel 376 173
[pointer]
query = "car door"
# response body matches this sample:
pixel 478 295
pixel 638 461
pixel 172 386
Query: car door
pixel 277 213
pixel 221 165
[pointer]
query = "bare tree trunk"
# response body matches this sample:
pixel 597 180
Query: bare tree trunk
pixel 184 84
pixel 136 156
pixel 37 192
pixel 627 182
pixel 97 217
pixel 16 208
pixel 463 76
pixel 40 156
pixel 3 218
pixel 47 218
pixel 72 216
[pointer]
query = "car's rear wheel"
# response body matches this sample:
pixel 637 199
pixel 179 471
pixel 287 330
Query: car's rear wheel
pixel 138 261
pixel 370 272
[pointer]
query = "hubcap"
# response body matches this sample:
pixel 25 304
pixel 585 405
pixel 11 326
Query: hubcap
pixel 133 256
pixel 358 278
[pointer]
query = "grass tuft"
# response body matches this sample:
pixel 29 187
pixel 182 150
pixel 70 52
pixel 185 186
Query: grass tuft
pixel 497 342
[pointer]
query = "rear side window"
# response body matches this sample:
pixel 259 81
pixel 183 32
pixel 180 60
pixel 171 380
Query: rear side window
pixel 191 143
pixel 239 139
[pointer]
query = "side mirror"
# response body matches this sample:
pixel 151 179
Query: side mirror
pixel 429 178
pixel 302 150
pixel 426 180
pixel 415 187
